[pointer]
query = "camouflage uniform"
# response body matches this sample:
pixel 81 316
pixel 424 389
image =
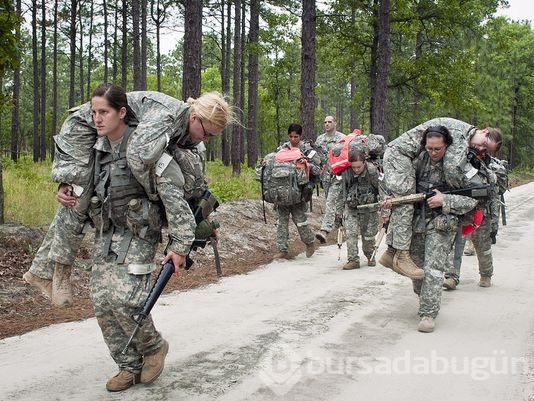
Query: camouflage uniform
pixel 125 247
pixel 73 163
pixel 331 182
pixel 324 144
pixel 482 236
pixel 161 119
pixel 400 176
pixel 361 190
pixel 433 233
pixel 297 211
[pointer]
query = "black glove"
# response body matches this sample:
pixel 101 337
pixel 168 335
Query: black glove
pixel 493 236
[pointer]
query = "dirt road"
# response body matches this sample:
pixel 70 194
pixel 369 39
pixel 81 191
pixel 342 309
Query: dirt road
pixel 306 330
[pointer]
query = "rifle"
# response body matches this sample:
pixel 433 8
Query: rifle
pixel 379 239
pixel 207 204
pixel 480 191
pixel 503 210
pixel 163 277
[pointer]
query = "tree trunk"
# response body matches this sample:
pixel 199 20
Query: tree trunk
pixel 15 112
pixel 36 102
pixel 307 85
pixel 136 39
pixel 124 49
pixel 106 40
pixel 379 112
pixel 72 55
pixel 192 44
pixel 54 77
pixel 252 137
pixel 236 136
pixel 158 11
pixel 225 73
pixel 90 51
pixel 144 54
pixel 42 135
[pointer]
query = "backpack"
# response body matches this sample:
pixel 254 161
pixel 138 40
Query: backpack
pixel 283 175
pixel 339 154
pixel 500 168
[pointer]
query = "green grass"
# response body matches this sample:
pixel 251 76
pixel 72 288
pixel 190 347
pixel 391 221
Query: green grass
pixel 228 187
pixel 30 193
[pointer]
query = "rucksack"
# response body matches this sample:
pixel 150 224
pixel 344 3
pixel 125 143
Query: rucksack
pixel 339 154
pixel 500 168
pixel 283 175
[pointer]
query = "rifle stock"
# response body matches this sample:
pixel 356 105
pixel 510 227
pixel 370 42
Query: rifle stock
pixel 379 239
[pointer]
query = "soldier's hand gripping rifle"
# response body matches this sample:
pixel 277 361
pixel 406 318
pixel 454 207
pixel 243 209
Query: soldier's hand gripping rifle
pixel 164 276
pixel 480 191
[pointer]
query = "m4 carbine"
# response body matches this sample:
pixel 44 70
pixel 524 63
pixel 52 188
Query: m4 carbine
pixel 480 191
pixel 163 277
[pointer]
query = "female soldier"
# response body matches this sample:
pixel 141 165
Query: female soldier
pixel 361 188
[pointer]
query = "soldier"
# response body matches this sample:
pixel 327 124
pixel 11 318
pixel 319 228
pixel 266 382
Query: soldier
pixel 361 188
pixel 459 173
pixel 160 118
pixel 128 225
pixel 434 224
pixel 330 182
pixel 485 235
pixel 298 210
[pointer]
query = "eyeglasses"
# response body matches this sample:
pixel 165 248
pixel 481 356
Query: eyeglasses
pixel 206 133
pixel 328 122
pixel 434 150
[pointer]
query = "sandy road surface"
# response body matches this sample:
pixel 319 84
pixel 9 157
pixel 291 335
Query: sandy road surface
pixel 306 330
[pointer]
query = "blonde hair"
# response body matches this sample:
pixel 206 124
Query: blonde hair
pixel 213 107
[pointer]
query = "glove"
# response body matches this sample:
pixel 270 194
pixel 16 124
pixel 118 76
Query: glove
pixel 493 236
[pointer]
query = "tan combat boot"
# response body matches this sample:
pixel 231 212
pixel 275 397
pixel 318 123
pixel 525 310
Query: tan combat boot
pixel 386 259
pixel 449 284
pixel 61 288
pixel 153 364
pixel 41 284
pixel 281 255
pixel 122 381
pixel 351 265
pixel 426 325
pixel 403 264
pixel 322 236
pixel 485 281
pixel 310 250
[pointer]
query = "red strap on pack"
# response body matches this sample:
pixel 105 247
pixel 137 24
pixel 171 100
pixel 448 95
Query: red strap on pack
pixel 477 221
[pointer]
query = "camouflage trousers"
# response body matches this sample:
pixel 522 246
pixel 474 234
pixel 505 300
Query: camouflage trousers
pixel 431 251
pixel 364 224
pixel 117 295
pixel 482 243
pixel 62 240
pixel 334 206
pixel 455 258
pixel 400 182
pixel 298 215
